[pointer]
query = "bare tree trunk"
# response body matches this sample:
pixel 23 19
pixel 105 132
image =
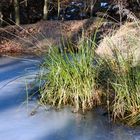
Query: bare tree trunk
pixel 45 10
pixel 26 3
pixel 0 14
pixel 17 15
pixel 58 7
pixel 93 4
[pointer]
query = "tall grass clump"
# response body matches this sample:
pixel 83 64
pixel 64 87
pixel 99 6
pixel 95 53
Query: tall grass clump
pixel 122 80
pixel 120 72
pixel 126 86
pixel 71 78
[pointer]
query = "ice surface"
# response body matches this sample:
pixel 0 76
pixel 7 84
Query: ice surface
pixel 17 123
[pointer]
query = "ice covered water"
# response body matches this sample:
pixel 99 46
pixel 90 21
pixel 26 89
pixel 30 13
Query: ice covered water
pixel 18 122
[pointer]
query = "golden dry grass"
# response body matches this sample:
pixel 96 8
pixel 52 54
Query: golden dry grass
pixel 125 40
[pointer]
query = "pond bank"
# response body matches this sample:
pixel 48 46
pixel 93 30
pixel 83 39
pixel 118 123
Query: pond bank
pixel 39 37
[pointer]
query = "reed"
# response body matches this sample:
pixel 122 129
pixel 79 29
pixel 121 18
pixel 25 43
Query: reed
pixel 126 86
pixel 120 75
pixel 71 78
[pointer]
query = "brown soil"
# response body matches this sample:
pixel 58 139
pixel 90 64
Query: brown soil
pixel 42 35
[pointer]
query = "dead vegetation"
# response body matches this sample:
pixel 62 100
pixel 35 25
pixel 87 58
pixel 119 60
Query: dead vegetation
pixel 44 34
pixel 125 40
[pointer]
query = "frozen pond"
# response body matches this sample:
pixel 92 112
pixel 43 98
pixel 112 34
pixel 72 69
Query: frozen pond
pixel 17 123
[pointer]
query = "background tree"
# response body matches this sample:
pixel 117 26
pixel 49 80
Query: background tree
pixel 17 14
pixel 0 14
pixel 45 10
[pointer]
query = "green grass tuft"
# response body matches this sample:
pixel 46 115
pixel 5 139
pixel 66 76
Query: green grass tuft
pixel 71 78
pixel 124 83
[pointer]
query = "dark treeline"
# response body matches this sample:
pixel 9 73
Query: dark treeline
pixel 31 11
pixel 21 11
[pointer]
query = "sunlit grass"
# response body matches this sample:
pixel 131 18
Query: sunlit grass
pixel 120 73
pixel 71 78
pixel 80 79
pixel 126 86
